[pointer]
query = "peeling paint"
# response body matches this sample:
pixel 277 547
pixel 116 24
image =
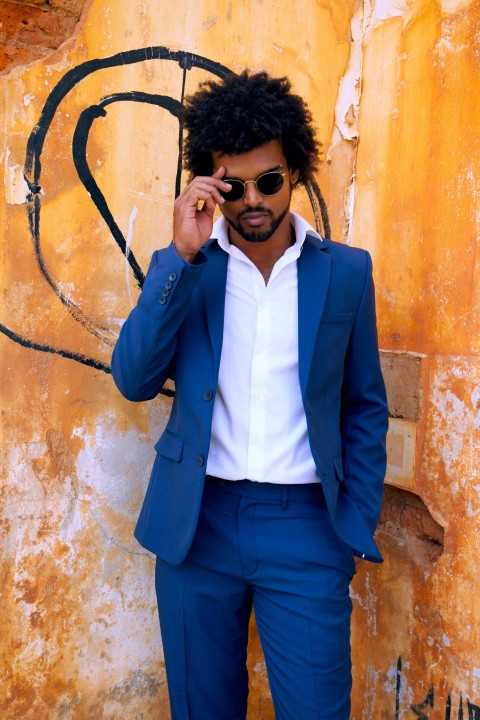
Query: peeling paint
pixel 16 189
pixel 348 99
pixel 450 7
pixel 131 220
pixel 209 22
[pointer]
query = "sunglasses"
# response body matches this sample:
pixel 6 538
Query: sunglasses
pixel 268 183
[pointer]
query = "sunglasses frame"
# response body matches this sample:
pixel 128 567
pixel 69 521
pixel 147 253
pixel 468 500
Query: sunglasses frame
pixel 225 193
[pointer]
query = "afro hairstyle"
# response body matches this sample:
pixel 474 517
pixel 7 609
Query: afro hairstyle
pixel 242 112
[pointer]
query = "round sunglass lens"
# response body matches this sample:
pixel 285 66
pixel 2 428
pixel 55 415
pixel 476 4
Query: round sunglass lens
pixel 270 183
pixel 235 193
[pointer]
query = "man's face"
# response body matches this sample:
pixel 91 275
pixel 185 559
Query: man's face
pixel 256 217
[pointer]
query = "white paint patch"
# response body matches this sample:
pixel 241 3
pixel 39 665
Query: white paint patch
pixel 348 99
pixel 476 405
pixel 476 672
pixel 381 11
pixel 446 641
pixel 27 99
pixel 16 188
pixel 209 22
pixel 368 603
pixel 369 700
pixel 116 321
pixel 260 667
pixel 445 46
pixel 349 206
pixel 450 7
pixel 385 9
pixel 131 220
pixel 451 444
pixel 114 466
pixel 67 290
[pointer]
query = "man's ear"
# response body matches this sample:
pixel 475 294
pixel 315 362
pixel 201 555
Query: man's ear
pixel 294 175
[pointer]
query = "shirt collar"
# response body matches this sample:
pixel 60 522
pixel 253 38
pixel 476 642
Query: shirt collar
pixel 300 225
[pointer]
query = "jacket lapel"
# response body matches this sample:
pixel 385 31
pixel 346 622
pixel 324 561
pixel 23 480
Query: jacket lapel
pixel 313 278
pixel 214 283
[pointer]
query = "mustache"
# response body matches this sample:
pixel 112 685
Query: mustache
pixel 254 211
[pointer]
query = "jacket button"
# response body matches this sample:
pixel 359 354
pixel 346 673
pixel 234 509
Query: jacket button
pixel 207 395
pixel 172 277
pixel 168 284
pixel 200 461
pixel 162 300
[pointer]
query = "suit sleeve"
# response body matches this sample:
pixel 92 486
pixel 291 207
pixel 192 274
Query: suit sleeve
pixel 143 353
pixel 364 411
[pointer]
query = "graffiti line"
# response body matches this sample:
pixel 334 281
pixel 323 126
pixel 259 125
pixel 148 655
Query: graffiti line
pixel 80 72
pixel 428 702
pixel 48 349
pixel 79 151
pixel 398 685
pixel 33 165
pixel 473 710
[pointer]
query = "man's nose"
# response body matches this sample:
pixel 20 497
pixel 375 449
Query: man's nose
pixel 252 197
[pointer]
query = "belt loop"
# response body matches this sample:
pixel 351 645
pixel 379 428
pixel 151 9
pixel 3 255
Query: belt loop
pixel 284 497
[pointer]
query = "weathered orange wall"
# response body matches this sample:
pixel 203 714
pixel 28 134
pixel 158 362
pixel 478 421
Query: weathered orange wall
pixel 393 87
pixel 417 207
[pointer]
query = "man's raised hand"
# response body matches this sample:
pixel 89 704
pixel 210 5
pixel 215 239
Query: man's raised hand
pixel 192 225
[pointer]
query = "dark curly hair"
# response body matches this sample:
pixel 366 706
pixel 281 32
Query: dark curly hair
pixel 240 113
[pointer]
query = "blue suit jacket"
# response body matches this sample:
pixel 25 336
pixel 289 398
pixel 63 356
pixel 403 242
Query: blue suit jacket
pixel 176 332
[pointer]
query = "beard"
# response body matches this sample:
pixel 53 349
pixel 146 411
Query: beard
pixel 257 236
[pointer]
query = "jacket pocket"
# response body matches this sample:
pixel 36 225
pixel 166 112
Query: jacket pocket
pixel 170 446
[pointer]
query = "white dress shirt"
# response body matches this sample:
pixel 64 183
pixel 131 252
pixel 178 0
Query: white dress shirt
pixel 259 429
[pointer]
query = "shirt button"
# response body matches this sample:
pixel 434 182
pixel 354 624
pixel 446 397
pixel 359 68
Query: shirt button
pixel 200 461
pixel 207 395
pixel 172 277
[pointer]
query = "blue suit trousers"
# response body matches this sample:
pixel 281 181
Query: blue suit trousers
pixel 271 548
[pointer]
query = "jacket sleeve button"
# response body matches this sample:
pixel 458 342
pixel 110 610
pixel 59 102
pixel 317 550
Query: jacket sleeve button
pixel 172 277
pixel 200 461
pixel 162 300
pixel 207 395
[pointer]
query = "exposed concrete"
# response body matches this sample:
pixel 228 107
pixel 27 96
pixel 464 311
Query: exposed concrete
pixel 407 522
pixel 402 372
pixel 32 29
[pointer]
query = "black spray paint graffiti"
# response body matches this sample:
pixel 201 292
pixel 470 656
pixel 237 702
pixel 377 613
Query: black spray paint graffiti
pixel 33 166
pixel 421 709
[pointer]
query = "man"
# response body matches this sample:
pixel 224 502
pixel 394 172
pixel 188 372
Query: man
pixel 268 478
